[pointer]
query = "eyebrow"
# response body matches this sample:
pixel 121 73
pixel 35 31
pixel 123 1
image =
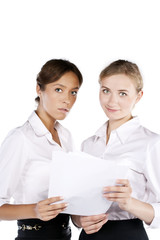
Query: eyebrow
pixel 61 85
pixel 104 87
pixel 123 90
pixel 120 90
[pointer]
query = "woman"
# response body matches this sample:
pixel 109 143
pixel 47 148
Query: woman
pixel 137 198
pixel 26 153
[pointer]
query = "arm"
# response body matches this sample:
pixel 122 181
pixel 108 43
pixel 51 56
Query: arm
pixel 13 158
pixel 150 211
pixel 42 210
pixel 15 212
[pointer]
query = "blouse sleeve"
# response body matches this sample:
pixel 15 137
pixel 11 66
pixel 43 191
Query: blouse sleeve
pixel 13 155
pixel 152 173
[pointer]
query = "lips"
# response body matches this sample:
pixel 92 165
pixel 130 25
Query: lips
pixel 111 110
pixel 64 110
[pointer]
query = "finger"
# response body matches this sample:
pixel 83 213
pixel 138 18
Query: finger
pixel 117 189
pixel 96 227
pixel 117 195
pixel 45 208
pixel 119 200
pixel 93 218
pixel 50 214
pixel 52 209
pixel 124 182
pixel 51 200
pixel 58 206
pixel 91 222
pixel 48 217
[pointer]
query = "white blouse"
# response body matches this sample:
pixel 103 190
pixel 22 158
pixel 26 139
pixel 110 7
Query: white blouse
pixel 25 157
pixel 141 148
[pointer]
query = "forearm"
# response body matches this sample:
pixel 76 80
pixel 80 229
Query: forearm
pixel 15 212
pixel 142 210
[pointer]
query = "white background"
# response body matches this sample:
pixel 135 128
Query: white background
pixel 90 33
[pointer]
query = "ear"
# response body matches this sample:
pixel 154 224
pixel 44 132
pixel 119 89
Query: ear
pixel 38 90
pixel 140 94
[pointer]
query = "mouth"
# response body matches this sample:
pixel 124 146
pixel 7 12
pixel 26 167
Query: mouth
pixel 111 110
pixel 64 110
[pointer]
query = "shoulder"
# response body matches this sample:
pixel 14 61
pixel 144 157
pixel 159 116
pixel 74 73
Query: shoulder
pixel 100 133
pixel 88 143
pixel 14 148
pixel 90 139
pixel 15 136
pixel 149 135
pixel 150 139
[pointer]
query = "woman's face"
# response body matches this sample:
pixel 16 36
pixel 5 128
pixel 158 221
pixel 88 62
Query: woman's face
pixel 118 96
pixel 58 97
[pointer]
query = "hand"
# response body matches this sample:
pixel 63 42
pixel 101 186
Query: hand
pixel 45 211
pixel 120 194
pixel 92 224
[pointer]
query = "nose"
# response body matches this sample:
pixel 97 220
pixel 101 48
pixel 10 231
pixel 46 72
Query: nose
pixel 112 100
pixel 66 98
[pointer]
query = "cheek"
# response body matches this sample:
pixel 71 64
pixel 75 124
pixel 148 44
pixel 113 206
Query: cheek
pixel 73 100
pixel 102 99
pixel 49 100
pixel 128 104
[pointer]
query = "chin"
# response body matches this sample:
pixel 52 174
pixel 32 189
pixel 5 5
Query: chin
pixel 112 116
pixel 61 118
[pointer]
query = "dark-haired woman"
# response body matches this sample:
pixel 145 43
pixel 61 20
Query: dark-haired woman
pixel 26 153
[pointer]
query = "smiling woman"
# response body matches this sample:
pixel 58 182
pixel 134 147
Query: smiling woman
pixel 120 89
pixel 121 139
pixel 27 152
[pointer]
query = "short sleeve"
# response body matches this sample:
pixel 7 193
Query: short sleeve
pixel 13 156
pixel 152 173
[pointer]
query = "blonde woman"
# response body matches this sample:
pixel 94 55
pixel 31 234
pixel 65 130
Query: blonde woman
pixel 136 199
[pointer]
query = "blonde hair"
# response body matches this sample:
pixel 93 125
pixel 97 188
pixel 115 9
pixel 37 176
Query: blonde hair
pixel 123 67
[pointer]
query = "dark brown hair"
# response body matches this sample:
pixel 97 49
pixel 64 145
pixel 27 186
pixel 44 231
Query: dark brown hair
pixel 53 70
pixel 124 67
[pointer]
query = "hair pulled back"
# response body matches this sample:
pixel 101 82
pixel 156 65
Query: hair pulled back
pixel 123 67
pixel 53 70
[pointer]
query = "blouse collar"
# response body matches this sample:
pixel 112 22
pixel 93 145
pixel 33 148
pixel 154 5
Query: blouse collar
pixel 37 125
pixel 123 132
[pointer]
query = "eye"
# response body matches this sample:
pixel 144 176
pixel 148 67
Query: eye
pixel 106 91
pixel 58 90
pixel 122 94
pixel 74 93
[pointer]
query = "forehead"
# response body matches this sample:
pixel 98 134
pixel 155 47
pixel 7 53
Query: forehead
pixel 118 81
pixel 68 80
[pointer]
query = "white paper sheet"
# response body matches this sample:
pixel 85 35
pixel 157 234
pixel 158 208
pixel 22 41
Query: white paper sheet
pixel 80 178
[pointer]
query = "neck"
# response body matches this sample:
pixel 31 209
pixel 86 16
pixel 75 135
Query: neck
pixel 114 124
pixel 47 120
